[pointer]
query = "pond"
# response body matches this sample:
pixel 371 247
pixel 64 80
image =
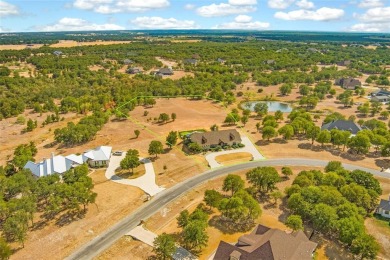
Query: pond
pixel 273 106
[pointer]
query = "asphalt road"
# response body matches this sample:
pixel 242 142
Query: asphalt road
pixel 107 238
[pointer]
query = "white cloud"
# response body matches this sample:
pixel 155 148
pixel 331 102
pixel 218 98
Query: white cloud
pixel 162 23
pixel 322 14
pixel 378 14
pixel 280 4
pixel 373 20
pixel 305 4
pixel 370 27
pixel 7 9
pixel 77 24
pixel 243 18
pixel 223 10
pixel 243 22
pixel 242 2
pixel 370 3
pixel 116 6
pixel 190 6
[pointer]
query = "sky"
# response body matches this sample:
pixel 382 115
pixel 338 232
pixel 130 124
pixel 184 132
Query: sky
pixel 301 15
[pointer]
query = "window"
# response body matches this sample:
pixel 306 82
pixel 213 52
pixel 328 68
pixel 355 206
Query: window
pixel 386 212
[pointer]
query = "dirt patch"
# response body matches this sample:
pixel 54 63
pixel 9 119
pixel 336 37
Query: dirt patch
pixel 71 43
pixel 96 68
pixel 168 63
pixel 232 158
pixel 19 46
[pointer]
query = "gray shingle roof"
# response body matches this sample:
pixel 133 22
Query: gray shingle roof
pixel 342 125
pixel 384 204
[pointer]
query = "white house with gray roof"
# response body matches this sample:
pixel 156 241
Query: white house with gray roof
pixel 59 164
pixel 384 208
pixel 345 125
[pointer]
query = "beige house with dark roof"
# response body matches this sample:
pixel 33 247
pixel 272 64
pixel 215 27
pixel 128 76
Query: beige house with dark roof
pixel 266 243
pixel 215 138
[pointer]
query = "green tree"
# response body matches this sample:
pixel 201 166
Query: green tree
pixel 131 160
pixel 137 133
pixel 360 143
pixel 278 115
pixel 333 166
pixel 194 235
pixel 285 89
pixel 183 218
pixel 268 132
pixel 294 222
pixel 263 179
pixel 163 117
pixel 286 171
pixel 171 139
pixel 233 183
pixel 313 133
pixel 365 246
pixel 16 226
pixel 195 147
pixel 164 246
pixel 5 250
pixel 276 195
pixel 173 116
pixel 324 217
pixel 30 125
pixel 349 229
pixel 287 131
pixel 212 198
pixel 261 109
pixel 244 120
pixel 155 148
pixel 324 137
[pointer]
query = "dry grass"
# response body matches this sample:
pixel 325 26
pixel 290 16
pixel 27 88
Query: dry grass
pixel 71 43
pixel 128 174
pixel 19 46
pixel 234 158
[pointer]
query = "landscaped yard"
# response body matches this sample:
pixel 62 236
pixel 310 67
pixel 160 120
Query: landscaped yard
pixel 129 174
pixel 226 159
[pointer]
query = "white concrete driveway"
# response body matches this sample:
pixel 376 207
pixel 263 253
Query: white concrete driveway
pixel 249 148
pixel 146 182
pixel 142 234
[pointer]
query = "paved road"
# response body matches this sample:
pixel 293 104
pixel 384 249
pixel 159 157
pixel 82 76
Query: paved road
pixel 107 238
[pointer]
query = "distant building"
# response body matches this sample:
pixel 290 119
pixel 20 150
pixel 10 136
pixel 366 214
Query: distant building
pixel 269 62
pixel 134 70
pixel 58 164
pixel 165 71
pixel 57 53
pixel 221 60
pixel 344 63
pixel 383 99
pixel 344 125
pixel 190 61
pixel 384 208
pixel 127 61
pixel 348 83
pixel 215 138
pixel 266 243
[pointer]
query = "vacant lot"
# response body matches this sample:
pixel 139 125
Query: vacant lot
pixel 19 46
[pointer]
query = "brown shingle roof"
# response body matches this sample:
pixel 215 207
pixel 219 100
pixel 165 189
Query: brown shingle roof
pixel 272 244
pixel 216 137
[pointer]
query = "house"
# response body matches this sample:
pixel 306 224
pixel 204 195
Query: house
pixel 165 71
pixel 134 70
pixel 269 62
pixel 59 164
pixel 127 61
pixel 383 99
pixel 384 208
pixel 98 157
pixel 190 62
pixel 215 138
pixel 57 53
pixel 344 63
pixel 380 92
pixel 345 125
pixel 348 83
pixel 267 243
pixel 55 164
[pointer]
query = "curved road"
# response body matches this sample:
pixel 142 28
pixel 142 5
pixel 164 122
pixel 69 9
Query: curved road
pixel 107 238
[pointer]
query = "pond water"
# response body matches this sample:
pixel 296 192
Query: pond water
pixel 273 106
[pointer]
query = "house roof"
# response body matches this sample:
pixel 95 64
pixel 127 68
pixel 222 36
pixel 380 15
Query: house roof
pixel 101 153
pixel 60 164
pixel 380 98
pixel 266 243
pixel 190 61
pixel 384 204
pixel 57 52
pixel 345 125
pixel 348 82
pixel 165 71
pixel 381 92
pixel 216 137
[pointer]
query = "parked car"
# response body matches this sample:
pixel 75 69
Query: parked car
pixel 117 153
